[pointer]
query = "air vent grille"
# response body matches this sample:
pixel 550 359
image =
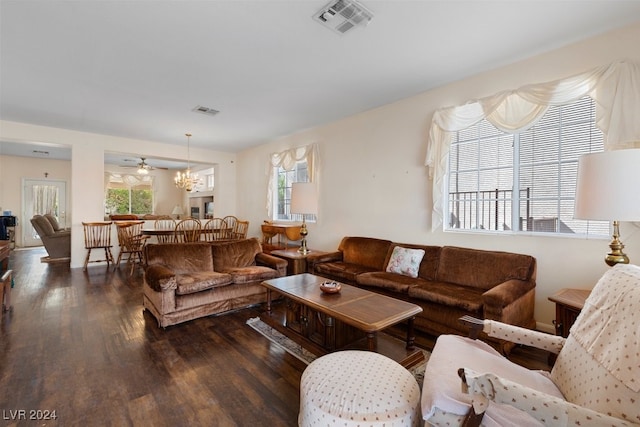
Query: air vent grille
pixel 342 16
pixel 205 110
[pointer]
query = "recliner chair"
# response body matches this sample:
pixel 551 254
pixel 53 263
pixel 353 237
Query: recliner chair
pixel 57 243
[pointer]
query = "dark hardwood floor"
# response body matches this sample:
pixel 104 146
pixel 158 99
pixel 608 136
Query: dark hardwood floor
pixel 78 343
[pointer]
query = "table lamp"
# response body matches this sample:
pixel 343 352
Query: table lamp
pixel 304 201
pixel 607 189
pixel 177 211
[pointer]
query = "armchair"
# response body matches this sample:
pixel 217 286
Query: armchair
pixel 57 243
pixel 594 381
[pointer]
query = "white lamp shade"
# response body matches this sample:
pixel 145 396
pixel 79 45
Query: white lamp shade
pixel 608 186
pixel 177 210
pixel 304 198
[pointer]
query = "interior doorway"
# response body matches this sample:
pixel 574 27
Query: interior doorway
pixel 41 197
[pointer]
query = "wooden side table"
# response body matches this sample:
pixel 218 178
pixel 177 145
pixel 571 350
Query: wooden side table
pixel 297 262
pixel 569 303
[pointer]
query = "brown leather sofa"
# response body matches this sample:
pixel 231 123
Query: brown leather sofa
pixel 451 282
pixel 56 241
pixel 185 281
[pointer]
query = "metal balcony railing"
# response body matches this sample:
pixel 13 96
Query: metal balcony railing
pixel 492 210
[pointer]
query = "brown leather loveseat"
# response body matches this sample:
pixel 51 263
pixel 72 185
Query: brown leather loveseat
pixel 449 281
pixel 184 281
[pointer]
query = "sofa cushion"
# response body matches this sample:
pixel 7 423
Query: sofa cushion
pixel 449 294
pixel 430 260
pixel 251 274
pixel 201 280
pixel 45 228
pixel 182 258
pixel 53 221
pixel 483 269
pixel 390 281
pixel 239 253
pixel 405 261
pixel 365 251
pixel 341 270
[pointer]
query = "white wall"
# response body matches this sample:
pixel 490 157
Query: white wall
pixel 373 182
pixel 87 171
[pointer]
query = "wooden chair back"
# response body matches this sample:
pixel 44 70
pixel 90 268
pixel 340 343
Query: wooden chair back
pixel 241 229
pixel 97 234
pixel 165 224
pixel 188 230
pixel 214 229
pixel 230 221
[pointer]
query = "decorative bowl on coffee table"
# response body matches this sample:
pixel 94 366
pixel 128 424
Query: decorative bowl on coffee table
pixel 330 287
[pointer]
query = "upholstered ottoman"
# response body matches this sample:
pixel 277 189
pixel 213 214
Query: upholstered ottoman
pixel 358 388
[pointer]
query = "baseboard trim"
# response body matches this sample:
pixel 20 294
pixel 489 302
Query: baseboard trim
pixel 546 327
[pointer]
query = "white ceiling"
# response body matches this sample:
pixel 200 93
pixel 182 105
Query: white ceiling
pixel 137 68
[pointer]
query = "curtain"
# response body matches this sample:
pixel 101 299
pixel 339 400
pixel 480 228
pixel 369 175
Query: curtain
pixel 287 160
pixel 117 180
pixel 615 89
pixel 45 200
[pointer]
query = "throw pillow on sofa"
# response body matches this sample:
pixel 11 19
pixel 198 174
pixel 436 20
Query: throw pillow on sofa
pixel 405 261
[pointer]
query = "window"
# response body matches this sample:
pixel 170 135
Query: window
pixel 293 165
pixel 284 179
pixel 526 181
pixel 128 194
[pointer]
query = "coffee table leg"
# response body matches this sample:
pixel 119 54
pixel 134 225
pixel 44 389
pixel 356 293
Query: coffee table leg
pixel 268 301
pixel 331 333
pixel 411 336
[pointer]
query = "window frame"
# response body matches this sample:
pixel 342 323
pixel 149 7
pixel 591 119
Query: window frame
pixel 131 183
pixel 519 225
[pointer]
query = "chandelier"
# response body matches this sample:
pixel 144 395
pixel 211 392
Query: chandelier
pixel 186 179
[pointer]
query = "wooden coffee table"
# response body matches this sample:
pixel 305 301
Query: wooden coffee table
pixel 350 319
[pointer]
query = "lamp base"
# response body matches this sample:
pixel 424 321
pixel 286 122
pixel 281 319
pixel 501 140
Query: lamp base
pixel 302 250
pixel 303 243
pixel 616 256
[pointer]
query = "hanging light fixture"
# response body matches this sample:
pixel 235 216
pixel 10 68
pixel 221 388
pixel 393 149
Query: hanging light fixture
pixel 186 179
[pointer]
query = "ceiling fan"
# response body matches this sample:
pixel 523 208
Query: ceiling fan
pixel 142 166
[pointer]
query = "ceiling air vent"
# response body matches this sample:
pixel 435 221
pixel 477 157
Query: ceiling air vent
pixel 343 15
pixel 205 110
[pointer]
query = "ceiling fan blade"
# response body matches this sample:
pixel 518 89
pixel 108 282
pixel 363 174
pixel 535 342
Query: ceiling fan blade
pixel 142 164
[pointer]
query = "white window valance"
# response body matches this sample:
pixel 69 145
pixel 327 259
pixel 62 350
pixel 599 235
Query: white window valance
pixel 118 180
pixel 614 87
pixel 287 160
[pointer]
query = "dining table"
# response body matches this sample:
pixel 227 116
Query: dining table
pixel 153 231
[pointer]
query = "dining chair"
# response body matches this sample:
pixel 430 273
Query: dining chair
pixel 240 230
pixel 188 230
pixel 97 235
pixel 214 229
pixel 230 222
pixel 131 243
pixel 165 224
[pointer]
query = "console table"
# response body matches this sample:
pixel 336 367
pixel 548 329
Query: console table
pixel 283 234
